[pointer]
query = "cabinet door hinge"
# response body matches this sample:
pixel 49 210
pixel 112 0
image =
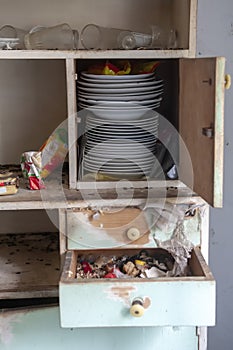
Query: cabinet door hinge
pixel 208 132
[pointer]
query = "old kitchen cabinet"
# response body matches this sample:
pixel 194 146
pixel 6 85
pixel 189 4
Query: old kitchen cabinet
pixel 191 80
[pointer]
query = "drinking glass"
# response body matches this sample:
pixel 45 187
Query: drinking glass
pixel 163 38
pixel 59 37
pixel 96 37
pixel 8 31
pixel 156 38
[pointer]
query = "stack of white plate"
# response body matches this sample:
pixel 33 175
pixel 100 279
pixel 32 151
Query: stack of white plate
pixel 121 124
pixel 117 91
pixel 120 149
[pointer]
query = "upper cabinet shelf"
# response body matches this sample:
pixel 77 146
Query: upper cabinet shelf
pixel 93 54
pixel 134 15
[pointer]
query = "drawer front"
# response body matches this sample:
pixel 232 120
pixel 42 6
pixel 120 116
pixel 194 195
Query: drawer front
pixel 188 301
pixel 112 229
pixel 90 229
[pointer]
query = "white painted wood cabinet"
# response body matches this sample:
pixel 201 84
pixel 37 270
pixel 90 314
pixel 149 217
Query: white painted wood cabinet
pixel 195 103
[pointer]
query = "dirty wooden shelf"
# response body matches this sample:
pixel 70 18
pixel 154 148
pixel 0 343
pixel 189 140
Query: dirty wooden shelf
pixel 88 54
pixel 30 265
pixel 58 196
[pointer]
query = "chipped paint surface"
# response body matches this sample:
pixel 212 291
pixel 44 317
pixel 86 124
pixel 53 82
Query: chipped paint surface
pixel 146 302
pixel 7 322
pixel 121 293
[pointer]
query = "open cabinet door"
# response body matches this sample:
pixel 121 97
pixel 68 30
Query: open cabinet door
pixel 201 105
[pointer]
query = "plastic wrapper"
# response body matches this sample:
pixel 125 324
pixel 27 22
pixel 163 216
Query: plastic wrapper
pixel 54 151
pixel 31 168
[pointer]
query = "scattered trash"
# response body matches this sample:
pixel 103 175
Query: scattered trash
pixel 31 168
pixel 151 263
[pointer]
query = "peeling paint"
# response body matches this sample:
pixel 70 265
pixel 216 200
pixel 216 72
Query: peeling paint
pixel 121 293
pixel 7 323
pixel 146 302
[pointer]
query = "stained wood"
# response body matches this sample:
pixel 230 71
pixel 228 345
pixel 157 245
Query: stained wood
pixel 201 105
pixel 30 266
pixel 60 196
pixel 112 225
pixel 198 265
pixel 62 234
pixel 72 123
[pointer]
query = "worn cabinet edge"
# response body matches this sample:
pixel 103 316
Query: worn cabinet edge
pixel 219 131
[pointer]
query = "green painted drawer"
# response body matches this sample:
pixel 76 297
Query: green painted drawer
pixel 111 229
pixel 177 301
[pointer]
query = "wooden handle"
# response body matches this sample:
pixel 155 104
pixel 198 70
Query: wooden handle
pixel 227 81
pixel 137 309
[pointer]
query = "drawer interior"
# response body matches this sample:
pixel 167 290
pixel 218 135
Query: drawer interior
pixel 198 269
pixel 166 301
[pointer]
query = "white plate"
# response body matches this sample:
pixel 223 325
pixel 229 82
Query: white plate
pixel 119 85
pixel 142 149
pixel 120 152
pixel 117 77
pixel 120 101
pixel 115 144
pixel 106 126
pixel 134 157
pixel 116 161
pixel 114 131
pixel 115 104
pixel 116 169
pixel 118 114
pixel 124 123
pixel 123 97
pixel 103 95
pixel 115 134
pixel 92 141
pixel 123 165
pixel 120 175
pixel 143 142
pixel 121 90
pixel 84 106
pixel 129 106
pixel 118 82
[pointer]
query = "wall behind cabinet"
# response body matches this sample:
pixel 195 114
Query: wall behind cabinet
pixel 215 38
pixel 33 103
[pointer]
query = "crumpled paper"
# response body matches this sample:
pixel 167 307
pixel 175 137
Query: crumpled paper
pixel 180 248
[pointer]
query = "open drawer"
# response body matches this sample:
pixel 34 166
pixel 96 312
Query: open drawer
pixel 163 301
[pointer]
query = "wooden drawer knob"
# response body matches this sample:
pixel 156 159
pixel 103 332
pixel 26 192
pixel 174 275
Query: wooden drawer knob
pixel 137 309
pixel 133 233
pixel 227 81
